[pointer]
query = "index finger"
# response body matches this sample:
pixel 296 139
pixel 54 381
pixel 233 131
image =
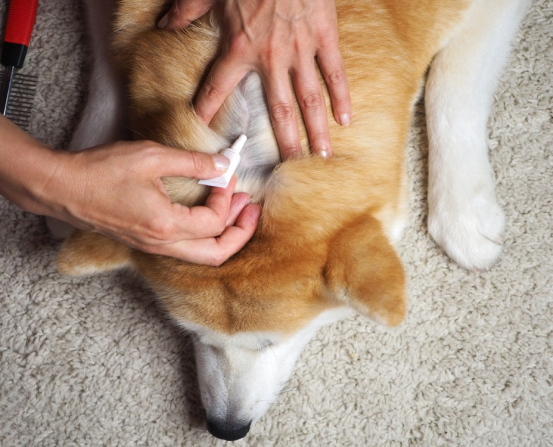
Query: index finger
pixel 211 219
pixel 184 12
pixel 221 80
pixel 215 251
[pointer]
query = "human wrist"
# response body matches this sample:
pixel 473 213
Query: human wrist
pixel 26 167
pixel 49 190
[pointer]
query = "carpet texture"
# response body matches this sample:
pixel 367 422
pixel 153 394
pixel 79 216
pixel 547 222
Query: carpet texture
pixel 94 361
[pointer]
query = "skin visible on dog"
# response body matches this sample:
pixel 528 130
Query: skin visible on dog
pixel 324 244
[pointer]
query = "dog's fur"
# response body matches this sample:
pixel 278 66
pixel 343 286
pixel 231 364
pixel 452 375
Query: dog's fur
pixel 325 242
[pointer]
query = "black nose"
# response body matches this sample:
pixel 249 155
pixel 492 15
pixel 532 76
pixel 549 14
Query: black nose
pixel 226 431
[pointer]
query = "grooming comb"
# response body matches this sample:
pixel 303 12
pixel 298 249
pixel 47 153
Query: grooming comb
pixel 18 90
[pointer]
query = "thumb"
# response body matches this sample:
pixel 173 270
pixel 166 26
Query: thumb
pixel 183 12
pixel 173 162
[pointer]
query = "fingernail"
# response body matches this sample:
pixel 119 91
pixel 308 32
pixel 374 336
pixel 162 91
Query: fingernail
pixel 345 119
pixel 324 154
pixel 221 162
pixel 164 21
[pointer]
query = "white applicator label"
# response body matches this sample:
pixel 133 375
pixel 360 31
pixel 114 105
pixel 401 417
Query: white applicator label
pixel 233 154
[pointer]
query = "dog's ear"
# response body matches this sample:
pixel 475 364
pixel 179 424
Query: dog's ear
pixel 85 253
pixel 364 271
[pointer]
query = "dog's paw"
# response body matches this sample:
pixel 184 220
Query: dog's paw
pixel 469 229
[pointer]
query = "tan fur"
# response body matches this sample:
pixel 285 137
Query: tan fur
pixel 324 237
pixel 86 253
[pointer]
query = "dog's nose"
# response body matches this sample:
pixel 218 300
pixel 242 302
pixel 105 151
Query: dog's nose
pixel 226 431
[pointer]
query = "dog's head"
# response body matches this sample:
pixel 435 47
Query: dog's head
pixel 251 317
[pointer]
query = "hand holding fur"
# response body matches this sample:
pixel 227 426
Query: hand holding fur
pixel 112 179
pixel 276 39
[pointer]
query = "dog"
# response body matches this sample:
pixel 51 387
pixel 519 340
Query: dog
pixel 325 245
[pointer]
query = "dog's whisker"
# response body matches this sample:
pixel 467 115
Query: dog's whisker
pixel 135 132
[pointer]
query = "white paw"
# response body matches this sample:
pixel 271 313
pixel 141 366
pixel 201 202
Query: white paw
pixel 469 229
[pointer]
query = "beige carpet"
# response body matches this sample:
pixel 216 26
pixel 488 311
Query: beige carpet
pixel 94 362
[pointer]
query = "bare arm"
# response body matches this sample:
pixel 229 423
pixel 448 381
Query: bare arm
pixel 116 190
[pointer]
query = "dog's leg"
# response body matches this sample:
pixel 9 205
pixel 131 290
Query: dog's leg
pixel 464 216
pixel 104 116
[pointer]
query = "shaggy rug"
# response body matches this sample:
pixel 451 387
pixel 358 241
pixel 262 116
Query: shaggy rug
pixel 94 361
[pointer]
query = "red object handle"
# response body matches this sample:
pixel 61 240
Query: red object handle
pixel 21 20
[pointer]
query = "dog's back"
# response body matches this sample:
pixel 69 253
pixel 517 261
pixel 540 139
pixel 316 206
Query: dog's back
pixel 166 69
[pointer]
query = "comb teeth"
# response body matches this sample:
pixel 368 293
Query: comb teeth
pixel 22 95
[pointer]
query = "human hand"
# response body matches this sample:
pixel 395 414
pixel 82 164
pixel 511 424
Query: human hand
pixel 116 189
pixel 276 38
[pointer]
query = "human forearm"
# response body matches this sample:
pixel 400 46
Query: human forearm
pixel 26 164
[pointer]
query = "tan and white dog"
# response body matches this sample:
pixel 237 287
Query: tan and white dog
pixel 325 243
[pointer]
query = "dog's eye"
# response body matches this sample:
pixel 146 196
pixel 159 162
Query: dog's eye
pixel 263 344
